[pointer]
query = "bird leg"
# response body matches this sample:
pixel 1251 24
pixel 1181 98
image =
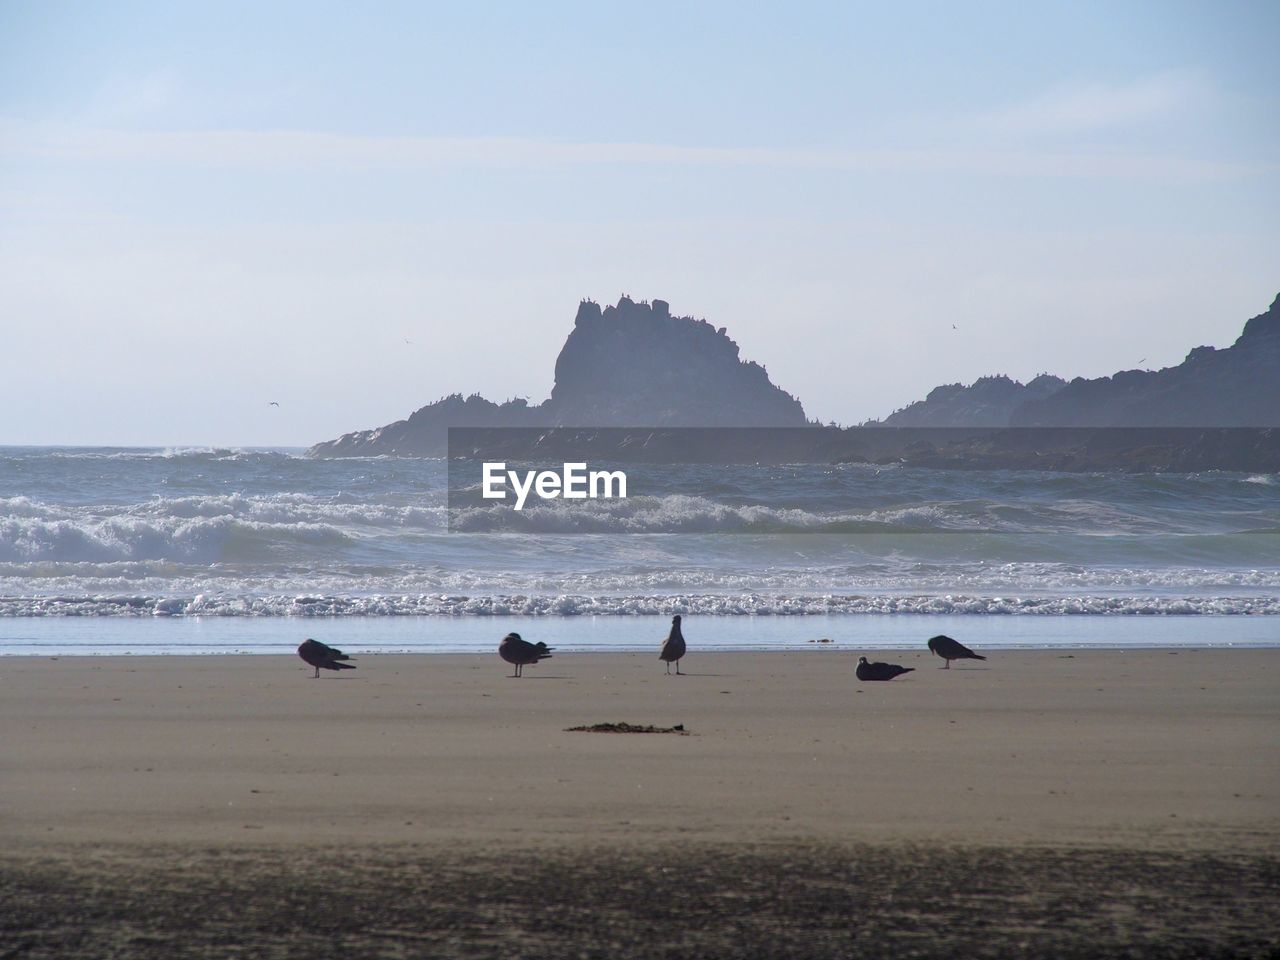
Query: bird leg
pixel 678 673
pixel 317 676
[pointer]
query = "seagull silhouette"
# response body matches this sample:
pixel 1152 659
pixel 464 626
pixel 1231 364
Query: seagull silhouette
pixel 273 404
pixel 949 649
pixel 673 647
pixel 517 651
pixel 317 654
pixel 879 671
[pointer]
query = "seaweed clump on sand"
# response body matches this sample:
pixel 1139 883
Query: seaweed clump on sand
pixel 627 728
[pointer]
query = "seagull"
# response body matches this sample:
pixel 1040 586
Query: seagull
pixel 517 651
pixel 880 671
pixel 673 647
pixel 319 655
pixel 273 404
pixel 948 649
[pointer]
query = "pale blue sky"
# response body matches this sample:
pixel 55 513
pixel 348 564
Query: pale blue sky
pixel 207 207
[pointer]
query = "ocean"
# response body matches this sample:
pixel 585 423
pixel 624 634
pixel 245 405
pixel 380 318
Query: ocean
pixel 198 550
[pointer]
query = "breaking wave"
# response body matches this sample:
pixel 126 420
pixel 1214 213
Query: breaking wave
pixel 443 605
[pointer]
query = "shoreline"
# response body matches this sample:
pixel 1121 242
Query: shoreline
pixel 593 635
pixel 847 650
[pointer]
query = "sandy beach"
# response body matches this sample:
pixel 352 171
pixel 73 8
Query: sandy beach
pixel 1029 776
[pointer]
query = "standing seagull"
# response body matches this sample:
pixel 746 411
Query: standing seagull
pixel 880 671
pixel 516 651
pixel 318 655
pixel 948 649
pixel 673 647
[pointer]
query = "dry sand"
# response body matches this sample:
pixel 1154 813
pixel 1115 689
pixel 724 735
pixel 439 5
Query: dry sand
pixel 1041 803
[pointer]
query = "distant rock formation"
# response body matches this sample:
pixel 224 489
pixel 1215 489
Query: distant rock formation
pixel 1235 387
pixel 1067 449
pixel 633 364
pixel 987 402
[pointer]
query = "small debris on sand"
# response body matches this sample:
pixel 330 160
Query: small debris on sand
pixel 627 728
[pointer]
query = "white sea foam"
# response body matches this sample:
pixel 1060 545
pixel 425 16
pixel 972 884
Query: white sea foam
pixel 130 605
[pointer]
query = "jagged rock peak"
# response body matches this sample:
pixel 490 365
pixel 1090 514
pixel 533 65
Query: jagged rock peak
pixel 630 364
pixel 634 363
pixel 1238 386
pixel 1264 324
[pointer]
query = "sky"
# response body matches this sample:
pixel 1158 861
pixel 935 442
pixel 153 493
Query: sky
pixel 355 209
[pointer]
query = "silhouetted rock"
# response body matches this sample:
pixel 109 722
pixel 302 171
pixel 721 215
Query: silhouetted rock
pixel 1067 449
pixel 987 402
pixel 632 364
pixel 636 365
pixel 1235 387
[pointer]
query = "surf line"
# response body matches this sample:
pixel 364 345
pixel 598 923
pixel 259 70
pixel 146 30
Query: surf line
pixel 573 482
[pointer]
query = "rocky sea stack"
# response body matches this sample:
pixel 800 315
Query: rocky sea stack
pixel 633 364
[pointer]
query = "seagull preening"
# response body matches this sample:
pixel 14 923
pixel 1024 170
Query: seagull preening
pixel 519 652
pixel 948 649
pixel 880 671
pixel 319 655
pixel 673 647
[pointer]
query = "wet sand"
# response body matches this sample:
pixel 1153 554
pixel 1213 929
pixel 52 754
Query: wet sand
pixel 1053 799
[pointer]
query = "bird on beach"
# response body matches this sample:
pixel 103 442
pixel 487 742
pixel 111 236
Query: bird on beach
pixel 673 648
pixel 948 649
pixel 880 671
pixel 518 651
pixel 320 655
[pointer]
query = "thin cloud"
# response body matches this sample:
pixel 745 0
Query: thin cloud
pixel 1093 107
pixel 306 150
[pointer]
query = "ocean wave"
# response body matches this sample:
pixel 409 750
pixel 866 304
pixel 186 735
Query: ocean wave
pixel 652 572
pixel 219 528
pixel 695 514
pixel 194 454
pixel 684 513
pixel 438 605
pixel 204 539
